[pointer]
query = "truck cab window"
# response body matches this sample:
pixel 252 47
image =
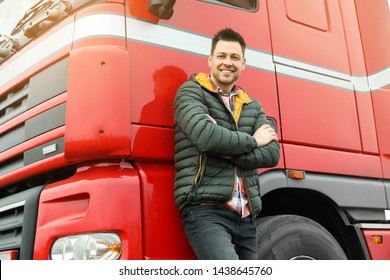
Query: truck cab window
pixel 250 5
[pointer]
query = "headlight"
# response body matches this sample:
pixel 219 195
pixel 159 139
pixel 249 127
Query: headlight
pixel 92 246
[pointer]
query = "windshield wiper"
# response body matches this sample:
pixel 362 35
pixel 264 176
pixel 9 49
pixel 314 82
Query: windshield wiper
pixel 37 19
pixel 28 15
pixel 42 15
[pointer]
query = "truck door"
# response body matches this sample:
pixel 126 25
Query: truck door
pixel 374 24
pixel 319 110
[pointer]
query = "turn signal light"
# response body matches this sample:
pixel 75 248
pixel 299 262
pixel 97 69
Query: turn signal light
pixel 296 175
pixel 377 239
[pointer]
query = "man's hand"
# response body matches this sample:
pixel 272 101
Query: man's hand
pixel 264 135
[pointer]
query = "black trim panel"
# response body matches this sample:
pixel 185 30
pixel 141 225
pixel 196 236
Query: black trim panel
pixel 46 121
pixel 362 199
pixel 48 83
pixel 44 151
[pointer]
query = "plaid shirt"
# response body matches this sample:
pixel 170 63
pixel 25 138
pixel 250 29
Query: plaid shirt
pixel 239 201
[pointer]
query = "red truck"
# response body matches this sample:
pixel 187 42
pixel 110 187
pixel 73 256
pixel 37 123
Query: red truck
pixel 87 137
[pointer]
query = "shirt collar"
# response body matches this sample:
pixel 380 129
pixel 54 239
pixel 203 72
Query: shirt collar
pixel 235 90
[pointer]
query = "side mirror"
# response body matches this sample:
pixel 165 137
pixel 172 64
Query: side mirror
pixel 163 9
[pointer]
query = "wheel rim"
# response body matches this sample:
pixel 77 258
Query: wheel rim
pixel 302 257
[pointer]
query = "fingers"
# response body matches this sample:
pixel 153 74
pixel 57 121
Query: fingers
pixel 264 135
pixel 265 126
pixel 268 128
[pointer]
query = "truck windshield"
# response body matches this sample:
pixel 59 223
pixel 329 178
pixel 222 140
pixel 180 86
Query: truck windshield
pixel 11 11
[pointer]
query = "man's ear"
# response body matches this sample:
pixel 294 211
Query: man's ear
pixel 244 64
pixel 209 60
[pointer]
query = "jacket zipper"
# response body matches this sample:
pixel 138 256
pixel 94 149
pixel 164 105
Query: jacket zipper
pixel 235 168
pixel 234 182
pixel 227 108
pixel 199 174
pixel 247 194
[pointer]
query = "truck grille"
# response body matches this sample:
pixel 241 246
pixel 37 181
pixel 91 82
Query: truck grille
pixel 18 216
pixel 13 103
pixel 11 223
pixel 40 88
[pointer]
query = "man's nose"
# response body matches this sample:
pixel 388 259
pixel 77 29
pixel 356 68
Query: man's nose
pixel 227 62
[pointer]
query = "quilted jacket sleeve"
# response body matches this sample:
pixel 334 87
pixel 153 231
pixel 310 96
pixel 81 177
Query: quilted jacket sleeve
pixel 263 157
pixel 192 118
pixel 260 157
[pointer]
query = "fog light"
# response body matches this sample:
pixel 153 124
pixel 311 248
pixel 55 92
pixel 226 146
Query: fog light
pixel 92 246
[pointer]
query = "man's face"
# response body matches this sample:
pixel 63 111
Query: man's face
pixel 226 63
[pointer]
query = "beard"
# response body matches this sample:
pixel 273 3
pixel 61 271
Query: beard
pixel 223 79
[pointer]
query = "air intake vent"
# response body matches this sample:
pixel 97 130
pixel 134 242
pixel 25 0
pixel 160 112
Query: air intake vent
pixel 11 223
pixel 16 102
pixel 18 218
pixel 13 103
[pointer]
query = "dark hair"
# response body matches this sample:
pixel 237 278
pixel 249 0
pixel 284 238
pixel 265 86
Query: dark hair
pixel 228 34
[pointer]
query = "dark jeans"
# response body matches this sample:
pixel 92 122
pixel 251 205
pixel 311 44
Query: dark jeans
pixel 217 233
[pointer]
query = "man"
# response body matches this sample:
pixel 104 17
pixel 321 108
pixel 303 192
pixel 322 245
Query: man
pixel 221 138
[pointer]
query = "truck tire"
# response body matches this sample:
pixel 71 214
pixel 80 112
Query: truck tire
pixel 290 237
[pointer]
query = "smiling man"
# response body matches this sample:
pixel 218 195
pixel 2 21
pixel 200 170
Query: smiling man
pixel 226 62
pixel 222 137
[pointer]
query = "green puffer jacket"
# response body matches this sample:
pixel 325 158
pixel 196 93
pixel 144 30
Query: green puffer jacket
pixel 207 155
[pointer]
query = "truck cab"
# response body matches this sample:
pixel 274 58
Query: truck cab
pixel 87 128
